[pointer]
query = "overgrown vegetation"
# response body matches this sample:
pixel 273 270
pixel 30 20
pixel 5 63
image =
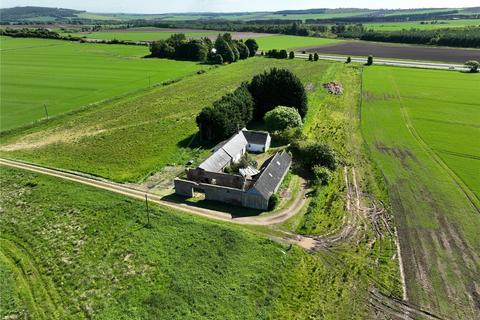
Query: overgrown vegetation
pixel 282 118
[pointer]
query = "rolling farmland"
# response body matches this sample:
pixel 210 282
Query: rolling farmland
pixel 68 75
pixel 292 42
pixel 131 137
pixel 421 128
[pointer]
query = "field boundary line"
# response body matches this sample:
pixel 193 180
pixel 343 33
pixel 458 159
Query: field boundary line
pixel 471 197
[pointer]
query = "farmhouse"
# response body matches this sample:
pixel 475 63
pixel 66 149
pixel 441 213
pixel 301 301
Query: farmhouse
pixel 250 187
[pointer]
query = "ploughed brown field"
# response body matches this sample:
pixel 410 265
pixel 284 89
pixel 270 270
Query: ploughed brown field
pixel 397 51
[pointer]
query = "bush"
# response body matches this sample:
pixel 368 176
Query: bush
pixel 274 53
pixel 291 55
pixel 369 60
pixel 193 50
pixel 252 46
pixel 473 65
pixel 310 57
pixel 321 175
pixel 227 115
pixel 273 202
pixel 289 135
pixel 315 57
pixel 349 60
pixel 278 87
pixel 282 118
pixel 217 59
pixel 313 153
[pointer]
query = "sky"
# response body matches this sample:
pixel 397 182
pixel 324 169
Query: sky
pixel 167 6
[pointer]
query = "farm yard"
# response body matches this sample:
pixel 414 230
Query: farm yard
pixel 396 51
pixel 66 76
pixel 420 127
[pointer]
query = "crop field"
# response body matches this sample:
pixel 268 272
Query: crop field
pixel 393 26
pixel 139 35
pixel 422 130
pixel 292 42
pixel 65 76
pixel 397 51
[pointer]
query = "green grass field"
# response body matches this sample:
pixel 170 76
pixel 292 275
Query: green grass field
pixel 129 138
pixel 67 75
pixel 98 260
pixel 422 128
pixel 393 26
pixel 291 42
pixel 139 35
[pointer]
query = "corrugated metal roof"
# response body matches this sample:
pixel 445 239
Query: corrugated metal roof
pixel 216 162
pixel 272 175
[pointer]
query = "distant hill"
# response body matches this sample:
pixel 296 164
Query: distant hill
pixel 321 15
pixel 34 13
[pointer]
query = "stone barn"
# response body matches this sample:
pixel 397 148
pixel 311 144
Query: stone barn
pixel 252 188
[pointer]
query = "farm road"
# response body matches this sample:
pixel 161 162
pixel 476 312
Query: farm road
pixel 388 62
pixel 138 194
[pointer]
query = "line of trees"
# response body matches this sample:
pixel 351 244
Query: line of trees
pixel 251 101
pixel 223 50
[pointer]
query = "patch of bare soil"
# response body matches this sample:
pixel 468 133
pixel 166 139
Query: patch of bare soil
pixel 397 51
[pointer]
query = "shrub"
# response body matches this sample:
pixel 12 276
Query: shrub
pixel 218 59
pixel 315 57
pixel 252 46
pixel 313 153
pixel 369 60
pixel 227 115
pixel 273 202
pixel 349 60
pixel 289 135
pixel 321 175
pixel 282 118
pixel 278 87
pixel 310 57
pixel 291 55
pixel 473 65
pixel 274 53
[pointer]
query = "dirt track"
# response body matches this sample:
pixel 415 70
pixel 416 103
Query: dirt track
pixel 397 51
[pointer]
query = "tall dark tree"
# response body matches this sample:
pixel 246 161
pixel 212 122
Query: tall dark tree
pixel 278 87
pixel 252 46
pixel 162 49
pixel 242 49
pixel 224 50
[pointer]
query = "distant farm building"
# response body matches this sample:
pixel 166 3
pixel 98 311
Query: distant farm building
pixel 250 187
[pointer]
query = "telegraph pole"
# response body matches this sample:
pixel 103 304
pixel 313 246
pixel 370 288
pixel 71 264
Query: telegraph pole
pixel 148 211
pixel 46 112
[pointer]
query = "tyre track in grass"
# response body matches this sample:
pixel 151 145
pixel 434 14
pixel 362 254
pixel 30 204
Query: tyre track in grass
pixel 462 255
pixel 36 292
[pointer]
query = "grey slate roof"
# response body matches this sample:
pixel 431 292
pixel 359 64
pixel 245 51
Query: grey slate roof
pixel 235 145
pixel 271 177
pixel 216 162
pixel 256 137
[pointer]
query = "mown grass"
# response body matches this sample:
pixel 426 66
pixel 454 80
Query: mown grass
pixel 129 138
pixel 421 126
pixel 93 252
pixel 67 75
pixel 291 42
